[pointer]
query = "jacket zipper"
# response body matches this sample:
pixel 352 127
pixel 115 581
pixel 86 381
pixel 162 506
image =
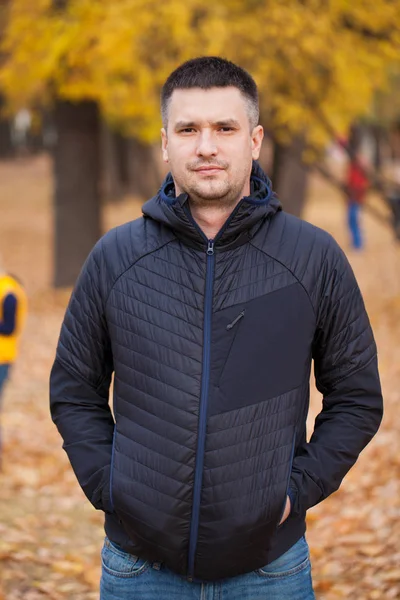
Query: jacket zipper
pixel 201 437
pixel 232 325
pixel 205 380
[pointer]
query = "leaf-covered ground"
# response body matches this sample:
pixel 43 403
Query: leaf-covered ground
pixel 50 537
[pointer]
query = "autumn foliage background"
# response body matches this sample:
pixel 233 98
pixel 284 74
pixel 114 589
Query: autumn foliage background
pixel 321 66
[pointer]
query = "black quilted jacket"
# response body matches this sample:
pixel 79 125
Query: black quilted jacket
pixel 211 344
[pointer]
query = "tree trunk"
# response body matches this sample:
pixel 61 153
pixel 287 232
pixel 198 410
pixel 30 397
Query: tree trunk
pixel 144 173
pixel 77 209
pixel 378 136
pixel 290 176
pixel 6 145
pixel 115 164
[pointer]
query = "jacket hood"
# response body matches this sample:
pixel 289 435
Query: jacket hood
pixel 174 212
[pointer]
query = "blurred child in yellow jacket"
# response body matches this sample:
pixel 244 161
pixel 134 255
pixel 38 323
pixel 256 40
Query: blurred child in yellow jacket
pixel 13 308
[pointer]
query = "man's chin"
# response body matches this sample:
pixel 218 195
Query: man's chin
pixel 207 194
pixel 222 201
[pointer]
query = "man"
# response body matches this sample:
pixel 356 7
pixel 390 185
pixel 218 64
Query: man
pixel 13 305
pixel 208 310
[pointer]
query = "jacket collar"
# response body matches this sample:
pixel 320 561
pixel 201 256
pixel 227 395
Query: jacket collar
pixel 174 212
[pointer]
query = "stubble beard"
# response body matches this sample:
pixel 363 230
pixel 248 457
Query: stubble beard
pixel 214 196
pixel 211 193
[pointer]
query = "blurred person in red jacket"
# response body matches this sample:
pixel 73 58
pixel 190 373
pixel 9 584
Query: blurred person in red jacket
pixel 357 185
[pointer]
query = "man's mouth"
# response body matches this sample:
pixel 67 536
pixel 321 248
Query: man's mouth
pixel 208 170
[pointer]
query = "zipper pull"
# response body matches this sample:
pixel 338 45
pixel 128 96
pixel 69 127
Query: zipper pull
pixel 210 248
pixel 240 316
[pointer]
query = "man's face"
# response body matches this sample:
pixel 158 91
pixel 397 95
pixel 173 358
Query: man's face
pixel 209 145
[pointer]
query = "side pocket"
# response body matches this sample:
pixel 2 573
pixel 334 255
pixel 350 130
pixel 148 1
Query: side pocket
pixel 294 561
pixel 119 563
pixel 112 469
pixel 288 481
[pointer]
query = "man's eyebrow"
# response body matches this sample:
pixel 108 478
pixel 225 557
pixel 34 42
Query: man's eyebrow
pixel 184 124
pixel 220 123
pixel 228 123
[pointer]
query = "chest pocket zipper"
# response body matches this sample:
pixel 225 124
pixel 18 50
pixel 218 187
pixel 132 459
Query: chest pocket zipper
pixel 231 325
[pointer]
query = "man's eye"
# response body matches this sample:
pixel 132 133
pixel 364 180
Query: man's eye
pixel 225 129
pixel 187 130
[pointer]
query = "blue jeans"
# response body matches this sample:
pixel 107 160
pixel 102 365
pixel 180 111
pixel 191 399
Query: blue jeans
pixel 353 219
pixel 127 577
pixel 4 373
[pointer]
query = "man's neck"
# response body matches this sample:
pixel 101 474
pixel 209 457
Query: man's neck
pixel 210 219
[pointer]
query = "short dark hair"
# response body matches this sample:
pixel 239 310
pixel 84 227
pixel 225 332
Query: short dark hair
pixel 207 72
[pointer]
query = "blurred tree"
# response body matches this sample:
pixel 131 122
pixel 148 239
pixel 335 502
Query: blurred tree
pixel 6 145
pixel 317 63
pixel 130 166
pixel 115 164
pixel 77 215
pixel 386 113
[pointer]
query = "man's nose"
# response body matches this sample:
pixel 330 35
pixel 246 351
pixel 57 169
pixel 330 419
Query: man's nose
pixel 206 144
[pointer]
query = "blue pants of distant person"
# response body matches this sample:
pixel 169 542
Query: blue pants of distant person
pixel 353 216
pixel 127 577
pixel 4 372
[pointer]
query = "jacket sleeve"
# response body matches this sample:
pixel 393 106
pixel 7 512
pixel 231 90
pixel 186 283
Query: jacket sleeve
pixel 346 372
pixel 80 381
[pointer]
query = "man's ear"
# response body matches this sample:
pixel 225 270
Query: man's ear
pixel 256 141
pixel 164 145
